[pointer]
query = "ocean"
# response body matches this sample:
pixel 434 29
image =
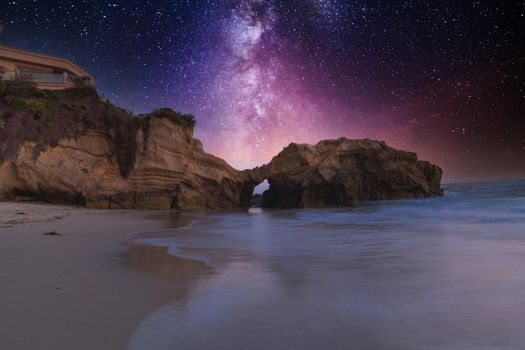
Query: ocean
pixel 438 273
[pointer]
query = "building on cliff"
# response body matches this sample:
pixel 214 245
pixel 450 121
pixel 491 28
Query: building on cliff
pixel 48 72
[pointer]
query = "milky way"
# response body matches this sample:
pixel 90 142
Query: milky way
pixel 443 79
pixel 258 103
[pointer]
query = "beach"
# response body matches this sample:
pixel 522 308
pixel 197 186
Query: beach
pixel 84 288
pixel 439 273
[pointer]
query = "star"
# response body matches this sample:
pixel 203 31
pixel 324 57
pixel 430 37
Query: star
pixel 260 74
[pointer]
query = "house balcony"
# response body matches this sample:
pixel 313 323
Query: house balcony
pixel 48 72
pixel 44 80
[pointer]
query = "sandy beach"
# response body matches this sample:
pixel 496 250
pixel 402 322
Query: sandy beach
pixel 84 288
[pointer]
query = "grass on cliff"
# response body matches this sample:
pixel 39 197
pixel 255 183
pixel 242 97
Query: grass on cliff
pixel 45 117
pixel 176 117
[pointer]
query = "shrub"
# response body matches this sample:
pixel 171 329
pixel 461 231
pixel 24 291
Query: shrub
pixel 80 81
pixel 179 118
pixel 50 95
pixel 37 105
pixel 19 87
pixel 19 105
pixel 79 92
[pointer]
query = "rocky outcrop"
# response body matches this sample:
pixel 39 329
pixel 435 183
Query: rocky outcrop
pixel 171 170
pixel 342 172
pixel 73 147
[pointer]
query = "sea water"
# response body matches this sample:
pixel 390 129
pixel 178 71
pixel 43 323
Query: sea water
pixel 440 273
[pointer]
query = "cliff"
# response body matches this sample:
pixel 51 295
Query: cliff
pixel 74 147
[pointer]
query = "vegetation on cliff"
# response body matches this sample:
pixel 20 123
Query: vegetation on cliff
pixel 176 117
pixel 45 117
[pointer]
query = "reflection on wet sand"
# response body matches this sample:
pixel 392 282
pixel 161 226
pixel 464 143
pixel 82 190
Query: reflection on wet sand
pixel 443 273
pixel 157 262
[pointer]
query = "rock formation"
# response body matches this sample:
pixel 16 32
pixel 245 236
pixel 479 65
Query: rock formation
pixel 342 172
pixel 73 147
pixel 171 171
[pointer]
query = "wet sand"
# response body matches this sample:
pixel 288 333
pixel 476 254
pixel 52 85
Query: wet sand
pixel 84 289
pixel 441 273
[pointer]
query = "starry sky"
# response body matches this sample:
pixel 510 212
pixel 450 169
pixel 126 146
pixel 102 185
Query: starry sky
pixel 442 78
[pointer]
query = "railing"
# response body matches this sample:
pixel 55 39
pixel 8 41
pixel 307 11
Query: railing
pixel 8 75
pixel 38 77
pixel 44 77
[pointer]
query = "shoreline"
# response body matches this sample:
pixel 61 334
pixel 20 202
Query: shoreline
pixel 87 288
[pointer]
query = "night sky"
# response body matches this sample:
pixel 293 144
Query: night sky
pixel 445 79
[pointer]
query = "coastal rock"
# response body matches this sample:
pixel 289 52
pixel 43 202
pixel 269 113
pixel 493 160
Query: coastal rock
pixel 171 170
pixel 342 173
pixel 74 147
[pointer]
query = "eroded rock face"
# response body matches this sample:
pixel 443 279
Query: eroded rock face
pixel 342 172
pixel 74 147
pixel 170 170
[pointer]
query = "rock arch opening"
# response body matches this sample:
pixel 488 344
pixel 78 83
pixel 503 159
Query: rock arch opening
pixel 258 191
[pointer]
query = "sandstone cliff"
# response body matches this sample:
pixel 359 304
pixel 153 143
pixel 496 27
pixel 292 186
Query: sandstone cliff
pixel 170 171
pixel 73 147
